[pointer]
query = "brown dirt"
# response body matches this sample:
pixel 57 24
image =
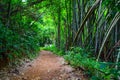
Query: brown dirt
pixel 48 66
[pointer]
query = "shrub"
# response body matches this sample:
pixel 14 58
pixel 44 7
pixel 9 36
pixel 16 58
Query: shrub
pixel 53 49
pixel 77 57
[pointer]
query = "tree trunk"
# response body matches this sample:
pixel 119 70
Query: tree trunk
pixel 59 36
pixel 8 13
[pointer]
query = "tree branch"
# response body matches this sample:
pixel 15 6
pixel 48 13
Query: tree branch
pixel 23 8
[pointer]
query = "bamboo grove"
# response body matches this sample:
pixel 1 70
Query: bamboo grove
pixel 93 25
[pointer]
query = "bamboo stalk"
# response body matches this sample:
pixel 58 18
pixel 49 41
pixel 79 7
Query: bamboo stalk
pixel 89 13
pixel 113 23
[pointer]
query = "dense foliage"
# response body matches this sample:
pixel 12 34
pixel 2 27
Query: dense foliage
pixel 79 58
pixel 20 34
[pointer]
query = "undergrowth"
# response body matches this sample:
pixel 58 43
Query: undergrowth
pixel 53 49
pixel 78 57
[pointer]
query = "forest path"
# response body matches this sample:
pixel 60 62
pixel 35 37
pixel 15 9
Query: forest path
pixel 48 66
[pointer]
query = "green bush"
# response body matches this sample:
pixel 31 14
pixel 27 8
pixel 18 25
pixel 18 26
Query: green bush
pixel 53 49
pixel 77 57
pixel 14 44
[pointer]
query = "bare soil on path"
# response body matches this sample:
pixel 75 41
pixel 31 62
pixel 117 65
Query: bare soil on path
pixel 48 66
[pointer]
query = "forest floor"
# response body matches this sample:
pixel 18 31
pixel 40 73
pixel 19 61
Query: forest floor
pixel 46 66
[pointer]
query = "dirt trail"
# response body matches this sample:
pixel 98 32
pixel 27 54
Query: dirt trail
pixel 48 66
